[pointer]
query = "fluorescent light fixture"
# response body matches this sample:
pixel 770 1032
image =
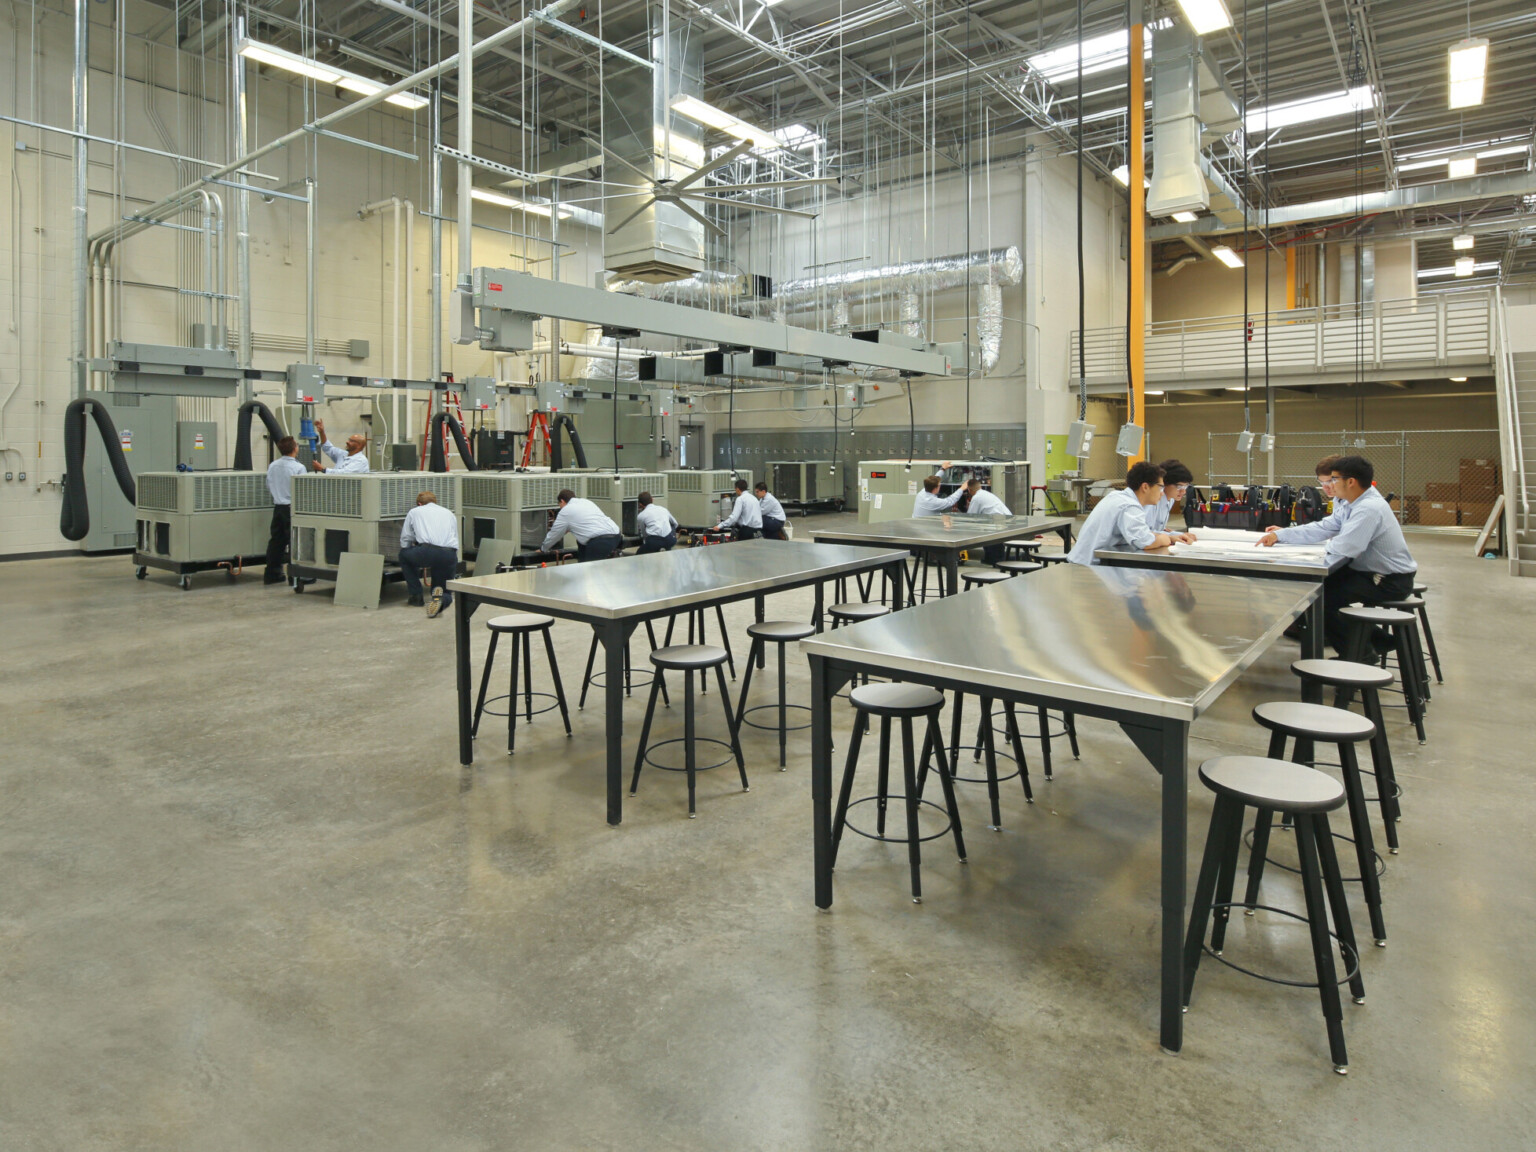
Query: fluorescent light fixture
pixel 288 62
pixel 799 137
pixel 1468 65
pixel 1465 266
pixel 712 117
pixel 1457 379
pixel 1206 15
pixel 1236 388
pixel 1153 392
pixel 1123 174
pixel 1464 242
pixel 682 150
pixel 1481 154
pixel 1452 269
pixel 1185 217
pixel 1228 257
pixel 1313 108
pixel 1461 167
pixel 369 87
pixel 501 200
pixel 1100 54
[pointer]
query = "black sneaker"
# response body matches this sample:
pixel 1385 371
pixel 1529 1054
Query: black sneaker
pixel 415 602
pixel 1382 642
pixel 273 578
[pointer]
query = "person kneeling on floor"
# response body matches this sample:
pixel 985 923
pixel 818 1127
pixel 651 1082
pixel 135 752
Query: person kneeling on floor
pixel 658 527
pixel 429 540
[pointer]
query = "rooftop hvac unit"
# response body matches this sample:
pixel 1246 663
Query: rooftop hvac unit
pixel 702 499
pixel 509 506
pixel 620 501
pixel 358 512
pixel 806 483
pixel 888 488
pixel 193 521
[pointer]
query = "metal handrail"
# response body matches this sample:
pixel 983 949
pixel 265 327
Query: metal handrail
pixel 1510 395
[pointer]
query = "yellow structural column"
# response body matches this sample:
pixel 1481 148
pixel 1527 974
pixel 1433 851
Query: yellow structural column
pixel 1137 162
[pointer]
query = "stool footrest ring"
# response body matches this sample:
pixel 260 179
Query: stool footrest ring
pixel 1381 865
pixel 1352 954
pixel 774 708
pixel 651 750
pixel 554 702
pixel 893 800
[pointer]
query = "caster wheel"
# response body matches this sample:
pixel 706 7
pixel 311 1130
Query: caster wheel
pixel 140 573
pixel 186 583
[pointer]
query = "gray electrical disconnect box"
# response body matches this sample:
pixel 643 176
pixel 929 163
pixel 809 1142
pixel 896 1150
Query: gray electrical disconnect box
pixel 305 385
pixel 146 431
pixel 479 394
pixel 197 444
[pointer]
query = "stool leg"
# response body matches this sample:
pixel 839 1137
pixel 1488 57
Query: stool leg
pixel 528 676
pixel 783 714
pixel 586 677
pixel 650 633
pixel 1429 640
pixel 666 641
pixel 909 782
pixel 847 789
pixel 512 697
pixel 947 782
pixel 1409 675
pixel 746 681
pixel 1070 718
pixel 1381 760
pixel 485 680
pixel 645 729
pixel 954 722
pixel 1045 740
pixel 730 722
pixel 1205 888
pixel 1262 820
pixel 986 739
pixel 690 753
pixel 1322 944
pixel 1333 883
pixel 725 640
pixel 1018 751
pixel 554 674
pixel 1226 876
pixel 629 680
pixel 1420 666
pixel 1365 848
pixel 885 774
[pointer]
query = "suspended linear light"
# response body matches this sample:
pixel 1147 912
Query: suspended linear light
pixel 1461 167
pixel 1457 379
pixel 1313 108
pixel 1464 242
pixel 1206 15
pixel 369 87
pixel 485 196
pixel 1451 269
pixel 1489 153
pixel 324 74
pixel 712 117
pixel 1228 257
pixel 1465 266
pixel 1152 392
pixel 1100 54
pixel 1467 63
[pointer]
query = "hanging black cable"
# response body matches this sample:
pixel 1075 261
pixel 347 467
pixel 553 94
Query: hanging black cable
pixel 1246 156
pixel 1269 392
pixel 1082 291
pixel 1130 226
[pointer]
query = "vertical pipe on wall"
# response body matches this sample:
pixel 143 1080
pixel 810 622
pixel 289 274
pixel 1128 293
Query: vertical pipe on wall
pixel 79 299
pixel 242 209
pixel 435 231
pixel 466 139
pixel 311 302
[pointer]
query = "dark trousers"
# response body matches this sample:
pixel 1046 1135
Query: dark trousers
pixel 992 553
pixel 1351 586
pixel 599 548
pixel 277 543
pixel 745 533
pixel 649 543
pixel 442 562
pixel 773 529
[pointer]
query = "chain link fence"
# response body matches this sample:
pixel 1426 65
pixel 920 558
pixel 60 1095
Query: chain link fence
pixel 1442 477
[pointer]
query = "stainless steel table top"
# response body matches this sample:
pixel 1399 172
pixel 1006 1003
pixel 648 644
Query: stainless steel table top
pixel 668 581
pixel 945 530
pixel 1271 562
pixel 1150 642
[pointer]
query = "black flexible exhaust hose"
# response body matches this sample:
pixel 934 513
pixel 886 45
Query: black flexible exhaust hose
pixel 243 431
pixel 74 514
pixel 563 420
pixel 439 457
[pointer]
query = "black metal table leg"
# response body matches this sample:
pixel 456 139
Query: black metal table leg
pixel 897 569
pixel 615 638
pixel 826 679
pixel 757 616
pixel 1173 762
pixel 821 598
pixel 462 608
pixel 951 572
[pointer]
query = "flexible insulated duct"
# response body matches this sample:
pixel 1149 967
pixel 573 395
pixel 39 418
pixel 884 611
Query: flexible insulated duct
pixel 556 462
pixel 74 514
pixel 1002 266
pixel 439 456
pixel 243 431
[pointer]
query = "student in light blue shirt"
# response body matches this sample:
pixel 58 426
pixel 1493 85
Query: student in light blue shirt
pixel 1176 481
pixel 772 512
pixel 1119 523
pixel 1318 530
pixel 929 502
pixel 280 474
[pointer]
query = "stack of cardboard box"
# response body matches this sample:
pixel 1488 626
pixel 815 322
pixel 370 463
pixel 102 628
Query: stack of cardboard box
pixel 1468 501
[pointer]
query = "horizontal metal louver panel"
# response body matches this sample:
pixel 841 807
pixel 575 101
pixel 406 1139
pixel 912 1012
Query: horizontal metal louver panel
pixel 157 491
pixel 229 491
pixel 328 495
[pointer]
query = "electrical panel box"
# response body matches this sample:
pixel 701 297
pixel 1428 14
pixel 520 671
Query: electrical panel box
pixel 702 499
pixel 197 444
pixel 478 395
pixel 806 483
pixel 305 384
pixel 516 506
pixel 146 430
pixel 200 518
pixel 1129 442
pixel 359 512
pixel 1079 438
pixel 888 488
pixel 561 396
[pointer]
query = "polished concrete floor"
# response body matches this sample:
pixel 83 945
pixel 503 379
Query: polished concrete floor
pixel 251 900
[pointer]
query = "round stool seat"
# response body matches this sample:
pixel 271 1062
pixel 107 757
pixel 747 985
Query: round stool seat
pixel 1420 589
pixel 1049 558
pixel 781 631
pixel 519 622
pixel 1275 784
pixel 857 611
pixel 1380 616
pixel 1019 567
pixel 1032 545
pixel 1314 721
pixel 896 699
pixel 688 656
pixel 1343 673
pixel 986 577
pixel 1407 604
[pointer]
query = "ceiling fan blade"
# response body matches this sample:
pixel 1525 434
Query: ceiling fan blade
pixel 808 182
pixel 632 215
pixel 741 149
pixel 714 229
pixel 750 206
pixel 643 174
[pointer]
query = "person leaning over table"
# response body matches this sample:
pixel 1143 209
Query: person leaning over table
pixel 987 503
pixel 354 459
pixel 1176 481
pixel 773 511
pixel 1119 523
pixel 1380 568
pixel 429 539
pixel 597 537
pixel 280 474
pixel 1319 530
pixel 746 515
pixel 929 502
pixel 658 527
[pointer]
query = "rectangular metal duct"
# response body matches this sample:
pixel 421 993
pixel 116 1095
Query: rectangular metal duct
pixel 1191 108
pixel 662 242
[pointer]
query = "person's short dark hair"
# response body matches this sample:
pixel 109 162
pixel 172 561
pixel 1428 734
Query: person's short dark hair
pixel 565 494
pixel 1355 468
pixel 643 499
pixel 741 485
pixel 973 484
pixel 930 483
pixel 287 446
pixel 1325 465
pixel 760 486
pixel 1143 472
pixel 1176 472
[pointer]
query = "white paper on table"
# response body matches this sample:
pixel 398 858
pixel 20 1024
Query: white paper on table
pixel 1250 549
pixel 1204 534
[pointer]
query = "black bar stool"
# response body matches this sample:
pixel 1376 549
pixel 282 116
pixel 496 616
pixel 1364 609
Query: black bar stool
pixel 904 702
pixel 986 745
pixel 1019 567
pixel 688 659
pixel 520 626
pixel 853 613
pixel 865 583
pixel 1419 590
pixel 780 632
pixel 1306 796
pixel 597 679
pixel 697 620
pixel 1401 625
pixel 1347 678
pixel 918 581
pixel 1317 723
pixel 978 577
pixel 1415 606
pixel 1021 549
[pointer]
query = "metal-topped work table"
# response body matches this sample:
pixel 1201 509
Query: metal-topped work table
pixel 617 596
pixel 1148 650
pixel 945 535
